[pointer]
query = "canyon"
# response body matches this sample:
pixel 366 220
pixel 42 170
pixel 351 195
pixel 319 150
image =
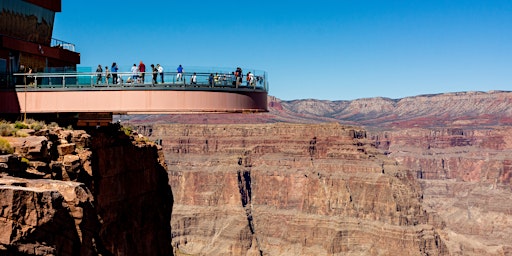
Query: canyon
pixel 292 189
pixel 424 175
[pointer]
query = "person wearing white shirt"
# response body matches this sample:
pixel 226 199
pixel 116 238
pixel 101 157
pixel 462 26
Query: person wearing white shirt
pixel 193 79
pixel 160 71
pixel 135 73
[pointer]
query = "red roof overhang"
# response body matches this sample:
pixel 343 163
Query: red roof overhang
pixel 41 50
pixel 54 5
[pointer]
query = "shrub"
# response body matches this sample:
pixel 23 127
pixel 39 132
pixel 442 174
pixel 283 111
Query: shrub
pixel 53 125
pixel 5 147
pixel 37 125
pixel 20 134
pixel 20 125
pixel 127 130
pixel 6 129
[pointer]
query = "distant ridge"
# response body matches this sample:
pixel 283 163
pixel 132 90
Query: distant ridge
pixel 462 109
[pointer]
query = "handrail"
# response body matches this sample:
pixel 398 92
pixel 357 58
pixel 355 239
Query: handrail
pixel 62 44
pixel 84 80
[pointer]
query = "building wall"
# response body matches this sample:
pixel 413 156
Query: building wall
pixel 26 28
pixel 26 21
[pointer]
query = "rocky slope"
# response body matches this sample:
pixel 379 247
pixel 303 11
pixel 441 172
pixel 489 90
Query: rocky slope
pixel 66 193
pixel 290 189
pixel 469 109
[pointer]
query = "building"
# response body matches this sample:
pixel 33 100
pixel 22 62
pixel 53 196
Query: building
pixel 26 28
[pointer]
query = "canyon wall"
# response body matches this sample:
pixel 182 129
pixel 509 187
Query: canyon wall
pixel 465 174
pixel 66 192
pixel 292 189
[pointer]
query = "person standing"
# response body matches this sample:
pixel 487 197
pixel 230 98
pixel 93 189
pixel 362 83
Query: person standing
pixel 107 74
pixel 216 78
pixel 179 76
pixel 142 69
pixel 114 69
pixel 160 71
pixel 193 79
pixel 154 72
pixel 250 79
pixel 30 78
pixel 239 74
pixel 135 73
pixel 99 72
pixel 210 80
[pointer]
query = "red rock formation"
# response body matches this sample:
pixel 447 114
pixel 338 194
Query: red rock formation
pixel 455 144
pixel 286 189
pixel 465 174
pixel 132 195
pixel 43 217
pixel 80 195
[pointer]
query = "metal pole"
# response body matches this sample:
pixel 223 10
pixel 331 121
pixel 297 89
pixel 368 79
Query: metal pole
pixel 25 107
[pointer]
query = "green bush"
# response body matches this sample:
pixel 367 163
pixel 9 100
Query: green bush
pixel 5 147
pixel 6 129
pixel 24 160
pixel 37 125
pixel 20 125
pixel 127 130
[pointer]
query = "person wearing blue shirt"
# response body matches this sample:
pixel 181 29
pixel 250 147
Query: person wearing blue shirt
pixel 114 69
pixel 210 80
pixel 179 76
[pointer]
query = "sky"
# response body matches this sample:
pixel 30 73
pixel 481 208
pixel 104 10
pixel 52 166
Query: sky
pixel 326 50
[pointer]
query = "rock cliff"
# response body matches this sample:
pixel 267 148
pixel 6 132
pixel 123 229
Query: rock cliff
pixel 465 174
pixel 292 189
pixel 456 146
pixel 69 193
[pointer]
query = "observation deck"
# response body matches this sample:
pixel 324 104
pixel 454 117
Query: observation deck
pixel 91 100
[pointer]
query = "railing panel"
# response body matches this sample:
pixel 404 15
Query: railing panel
pixel 84 78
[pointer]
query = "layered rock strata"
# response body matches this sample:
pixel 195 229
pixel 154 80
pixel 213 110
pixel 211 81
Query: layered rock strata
pixel 66 193
pixel 290 189
pixel 465 174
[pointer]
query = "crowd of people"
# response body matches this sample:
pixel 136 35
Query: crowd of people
pixel 139 72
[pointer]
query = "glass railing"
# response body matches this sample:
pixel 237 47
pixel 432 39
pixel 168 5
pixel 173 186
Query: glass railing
pixel 62 44
pixel 200 78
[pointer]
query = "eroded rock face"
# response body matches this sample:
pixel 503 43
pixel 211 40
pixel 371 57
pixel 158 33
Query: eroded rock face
pixel 465 174
pixel 132 195
pixel 67 193
pixel 456 145
pixel 42 217
pixel 465 154
pixel 286 189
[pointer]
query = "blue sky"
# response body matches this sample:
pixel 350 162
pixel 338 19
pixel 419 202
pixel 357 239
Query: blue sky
pixel 328 50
